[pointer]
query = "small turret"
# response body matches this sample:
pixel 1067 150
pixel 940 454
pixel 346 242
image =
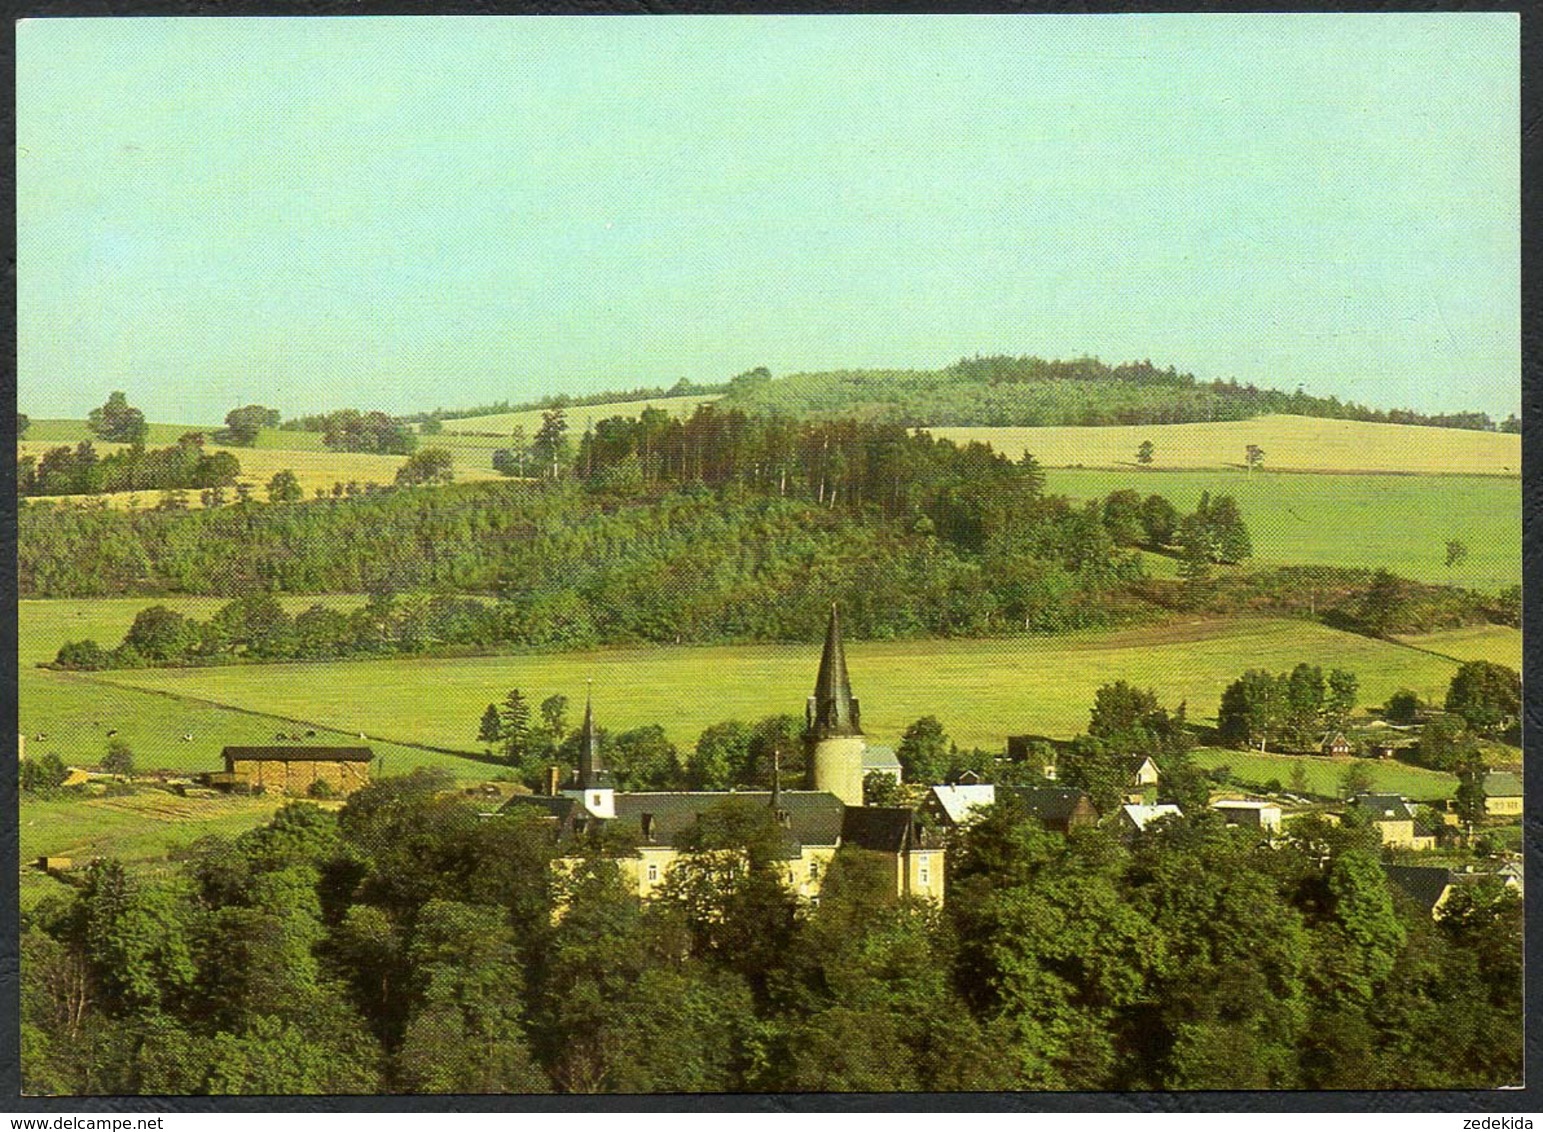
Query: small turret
pixel 780 815
pixel 591 783
pixel 592 771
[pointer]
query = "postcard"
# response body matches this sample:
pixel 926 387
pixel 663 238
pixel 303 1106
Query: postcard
pixel 744 554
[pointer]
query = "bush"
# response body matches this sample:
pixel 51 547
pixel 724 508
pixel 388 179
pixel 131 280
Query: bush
pixel 83 656
pixel 1403 706
pixel 1443 744
pixel 46 773
pixel 432 465
pixel 119 758
pixel 321 788
pixel 1357 779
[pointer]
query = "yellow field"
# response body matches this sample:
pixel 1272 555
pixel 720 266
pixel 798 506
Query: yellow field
pixel 578 416
pixel 1303 444
pixel 314 469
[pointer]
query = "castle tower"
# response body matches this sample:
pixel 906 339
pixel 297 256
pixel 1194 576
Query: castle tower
pixel 834 733
pixel 591 785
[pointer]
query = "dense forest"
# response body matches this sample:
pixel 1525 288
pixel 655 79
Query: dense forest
pixel 406 944
pixel 716 527
pixel 1032 391
pixel 563 570
pixel 842 499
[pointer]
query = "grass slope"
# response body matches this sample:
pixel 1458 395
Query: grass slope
pixel 1254 771
pixel 75 712
pixel 577 416
pixel 1495 643
pixel 145 831
pixel 1290 443
pixel 1398 522
pixel 137 828
pixel 982 691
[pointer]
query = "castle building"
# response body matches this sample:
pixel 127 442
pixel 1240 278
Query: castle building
pixel 815 823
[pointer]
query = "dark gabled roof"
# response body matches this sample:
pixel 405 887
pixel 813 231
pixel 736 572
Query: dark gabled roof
pixel 1048 803
pixel 1502 784
pixel 813 816
pixel 302 754
pixel 888 829
pixel 559 806
pixel 1423 884
pixel 1384 807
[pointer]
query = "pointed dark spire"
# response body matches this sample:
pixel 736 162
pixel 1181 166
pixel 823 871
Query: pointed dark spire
pixel 592 772
pixel 833 709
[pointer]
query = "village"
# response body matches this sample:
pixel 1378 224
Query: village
pixel 857 796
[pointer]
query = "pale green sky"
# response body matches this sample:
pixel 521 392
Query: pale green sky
pixel 409 212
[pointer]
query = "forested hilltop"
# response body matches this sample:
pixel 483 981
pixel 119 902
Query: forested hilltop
pixel 1030 391
pixel 697 540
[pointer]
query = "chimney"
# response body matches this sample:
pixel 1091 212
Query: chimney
pixel 553 776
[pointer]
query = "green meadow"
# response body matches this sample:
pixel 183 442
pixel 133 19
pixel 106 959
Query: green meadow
pixel 1401 523
pixel 145 831
pixel 135 828
pixel 982 690
pixel 1253 771
pixel 1473 642
pixel 75 711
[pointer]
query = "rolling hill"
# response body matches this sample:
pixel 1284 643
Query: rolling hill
pixel 1290 443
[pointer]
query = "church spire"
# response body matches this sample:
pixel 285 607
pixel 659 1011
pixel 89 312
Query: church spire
pixel 833 710
pixel 592 772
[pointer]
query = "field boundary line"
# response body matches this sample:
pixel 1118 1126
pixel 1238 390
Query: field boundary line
pixel 468 755
pixel 1418 648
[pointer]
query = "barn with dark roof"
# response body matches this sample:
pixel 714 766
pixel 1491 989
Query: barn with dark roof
pixel 295 770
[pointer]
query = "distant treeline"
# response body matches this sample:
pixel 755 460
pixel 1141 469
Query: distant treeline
pixel 1029 391
pixel 81 471
pixel 349 430
pixel 682 388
